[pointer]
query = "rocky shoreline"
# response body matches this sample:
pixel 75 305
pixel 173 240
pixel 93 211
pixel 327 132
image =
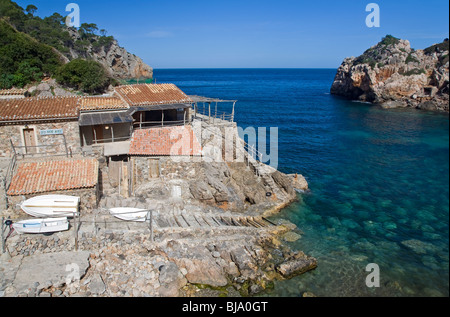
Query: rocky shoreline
pixel 393 75
pixel 213 237
pixel 231 261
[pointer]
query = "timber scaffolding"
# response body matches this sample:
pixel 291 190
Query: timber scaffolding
pixel 211 114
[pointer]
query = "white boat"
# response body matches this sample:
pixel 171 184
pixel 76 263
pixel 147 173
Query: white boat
pixel 51 205
pixel 129 214
pixel 41 225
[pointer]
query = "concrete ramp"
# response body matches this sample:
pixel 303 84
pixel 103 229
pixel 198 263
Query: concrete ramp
pixel 50 269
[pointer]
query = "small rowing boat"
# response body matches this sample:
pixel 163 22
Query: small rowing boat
pixel 51 205
pixel 41 225
pixel 129 214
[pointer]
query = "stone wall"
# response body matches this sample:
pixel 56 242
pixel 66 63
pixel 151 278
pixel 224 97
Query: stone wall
pixel 53 144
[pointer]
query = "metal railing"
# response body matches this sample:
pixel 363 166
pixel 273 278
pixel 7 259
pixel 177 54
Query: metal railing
pixel 213 116
pixel 76 221
pixel 162 123
pixel 251 154
pixel 110 140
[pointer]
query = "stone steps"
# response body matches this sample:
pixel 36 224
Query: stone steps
pixel 183 220
pixel 199 221
pixel 171 217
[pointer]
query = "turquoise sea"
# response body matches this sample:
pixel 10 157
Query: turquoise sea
pixel 379 179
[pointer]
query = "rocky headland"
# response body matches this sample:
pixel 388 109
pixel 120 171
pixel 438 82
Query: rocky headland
pixel 118 62
pixel 393 75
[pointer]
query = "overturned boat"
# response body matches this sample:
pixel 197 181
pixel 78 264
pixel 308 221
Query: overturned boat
pixel 51 205
pixel 130 214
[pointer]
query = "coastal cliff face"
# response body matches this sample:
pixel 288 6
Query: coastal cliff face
pixel 118 62
pixel 393 74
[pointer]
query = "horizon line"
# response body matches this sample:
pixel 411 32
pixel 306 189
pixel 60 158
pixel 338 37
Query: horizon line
pixel 224 68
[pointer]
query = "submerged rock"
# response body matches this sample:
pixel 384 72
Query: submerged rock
pixel 420 247
pixel 291 236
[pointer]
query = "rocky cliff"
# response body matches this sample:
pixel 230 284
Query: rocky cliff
pixel 117 60
pixel 393 74
pixel 25 37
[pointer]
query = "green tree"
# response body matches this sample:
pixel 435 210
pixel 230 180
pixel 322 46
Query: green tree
pixel 88 76
pixel 31 9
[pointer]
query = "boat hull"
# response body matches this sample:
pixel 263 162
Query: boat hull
pixel 51 205
pixel 129 214
pixel 47 225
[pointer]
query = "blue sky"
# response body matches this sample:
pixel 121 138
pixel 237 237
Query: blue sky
pixel 255 33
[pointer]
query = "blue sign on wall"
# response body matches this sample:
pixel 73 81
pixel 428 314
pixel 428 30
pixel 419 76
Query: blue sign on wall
pixel 52 132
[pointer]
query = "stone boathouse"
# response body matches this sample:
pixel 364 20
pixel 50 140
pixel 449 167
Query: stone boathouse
pixel 49 145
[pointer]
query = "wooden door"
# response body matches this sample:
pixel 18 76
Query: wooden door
pixel 30 141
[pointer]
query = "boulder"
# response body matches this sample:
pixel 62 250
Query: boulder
pixel 245 263
pixel 201 191
pixel 203 271
pixel 299 182
pixel 96 285
pixel 43 87
pixel 296 266
pixel 220 193
pixel 283 181
pixel 171 280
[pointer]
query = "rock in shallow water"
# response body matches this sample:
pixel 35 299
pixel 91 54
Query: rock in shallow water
pixel 419 247
pixel 297 266
pixel 291 236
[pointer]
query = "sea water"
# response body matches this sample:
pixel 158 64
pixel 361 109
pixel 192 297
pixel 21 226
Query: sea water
pixel 379 179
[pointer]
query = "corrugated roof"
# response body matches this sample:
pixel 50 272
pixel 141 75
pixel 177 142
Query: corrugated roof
pixel 107 117
pixel 48 176
pixel 167 141
pixel 152 94
pixel 29 109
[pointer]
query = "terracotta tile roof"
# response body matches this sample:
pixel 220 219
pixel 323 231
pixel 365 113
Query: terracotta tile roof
pixel 12 92
pixel 152 94
pixel 177 140
pixel 48 176
pixel 29 109
pixel 101 103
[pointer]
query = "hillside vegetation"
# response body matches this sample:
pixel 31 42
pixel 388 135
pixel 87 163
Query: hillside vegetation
pixel 32 48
